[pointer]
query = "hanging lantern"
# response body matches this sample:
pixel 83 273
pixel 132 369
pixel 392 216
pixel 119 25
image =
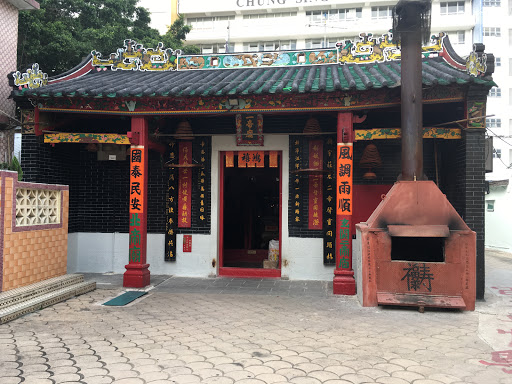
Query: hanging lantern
pixel 312 126
pixel 184 131
pixel 370 160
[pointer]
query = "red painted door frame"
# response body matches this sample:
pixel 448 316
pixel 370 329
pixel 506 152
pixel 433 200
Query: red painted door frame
pixel 247 272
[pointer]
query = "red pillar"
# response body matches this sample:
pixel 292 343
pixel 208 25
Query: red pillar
pixel 344 282
pixel 137 272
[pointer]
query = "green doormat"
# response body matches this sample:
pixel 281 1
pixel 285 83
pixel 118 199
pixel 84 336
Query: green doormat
pixel 125 298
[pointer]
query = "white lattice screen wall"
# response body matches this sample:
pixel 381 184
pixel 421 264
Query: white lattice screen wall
pixel 37 207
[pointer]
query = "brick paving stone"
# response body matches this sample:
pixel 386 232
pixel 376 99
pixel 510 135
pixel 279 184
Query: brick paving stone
pixel 63 370
pixel 185 379
pixel 305 380
pixel 357 378
pixel 446 379
pixel 338 382
pixel 407 375
pixel 10 379
pixel 175 371
pixel 259 369
pixel 357 364
pixel 373 373
pixel 340 370
pixel 290 373
pixel 206 373
pixel 132 380
pixel 154 376
pixel 64 377
pixel 99 380
pixel 215 380
pixel 391 380
pixel 323 375
pixel 421 369
pixel 239 375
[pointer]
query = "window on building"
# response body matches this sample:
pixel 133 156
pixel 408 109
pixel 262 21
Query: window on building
pixel 493 123
pixel 314 43
pixel 490 205
pixel 452 7
pixel 382 12
pixel 270 15
pixel 457 37
pixel 492 3
pixel 492 31
pixel 278 45
pixel 335 15
pixel 496 153
pixel 495 92
pixel 208 49
pixel 497 61
pixel 208 22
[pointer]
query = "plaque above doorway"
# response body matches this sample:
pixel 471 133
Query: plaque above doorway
pixel 249 129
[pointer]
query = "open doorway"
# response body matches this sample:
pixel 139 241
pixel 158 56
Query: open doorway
pixel 250 220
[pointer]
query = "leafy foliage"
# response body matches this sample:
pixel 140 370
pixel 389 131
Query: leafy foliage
pixel 14 165
pixel 63 32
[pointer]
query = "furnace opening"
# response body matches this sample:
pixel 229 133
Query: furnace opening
pixel 427 249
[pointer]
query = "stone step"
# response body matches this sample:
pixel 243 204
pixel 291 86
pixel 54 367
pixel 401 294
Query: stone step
pixel 45 300
pixel 18 295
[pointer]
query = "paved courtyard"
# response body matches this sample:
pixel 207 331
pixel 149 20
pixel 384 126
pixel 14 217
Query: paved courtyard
pixel 248 331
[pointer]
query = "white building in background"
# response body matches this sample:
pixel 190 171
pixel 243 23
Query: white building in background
pixel 162 12
pixel 266 25
pixel 497 31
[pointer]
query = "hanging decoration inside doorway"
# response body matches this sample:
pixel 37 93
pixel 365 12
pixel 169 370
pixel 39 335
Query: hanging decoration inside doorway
pixel 185 185
pixel 272 159
pixel 251 159
pixel 315 185
pixel 295 184
pixel 329 212
pixel 249 130
pixel 171 206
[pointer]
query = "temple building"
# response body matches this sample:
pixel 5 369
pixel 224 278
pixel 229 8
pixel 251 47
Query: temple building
pixel 247 165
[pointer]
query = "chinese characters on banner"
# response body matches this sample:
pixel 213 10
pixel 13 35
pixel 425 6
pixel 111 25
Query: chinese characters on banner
pixel 171 206
pixel 315 185
pixel 202 210
pixel 249 130
pixel 185 185
pixel 137 207
pixel 329 211
pixel 251 159
pixel 295 185
pixel 344 203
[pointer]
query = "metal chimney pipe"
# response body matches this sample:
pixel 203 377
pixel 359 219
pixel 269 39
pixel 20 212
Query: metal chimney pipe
pixel 410 15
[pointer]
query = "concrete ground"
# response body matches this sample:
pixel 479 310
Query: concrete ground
pixel 260 331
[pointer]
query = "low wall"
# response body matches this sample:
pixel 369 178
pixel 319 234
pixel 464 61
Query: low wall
pixel 33 231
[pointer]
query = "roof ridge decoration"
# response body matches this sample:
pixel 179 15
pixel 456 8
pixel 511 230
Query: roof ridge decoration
pixel 32 78
pixel 365 49
pixel 370 49
pixel 134 57
pixel 477 61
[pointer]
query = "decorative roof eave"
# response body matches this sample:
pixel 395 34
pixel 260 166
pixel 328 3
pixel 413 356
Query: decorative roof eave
pixel 263 103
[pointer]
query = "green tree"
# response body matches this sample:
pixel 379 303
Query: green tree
pixel 63 32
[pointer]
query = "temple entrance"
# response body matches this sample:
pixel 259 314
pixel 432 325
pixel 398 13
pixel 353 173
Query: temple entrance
pixel 250 217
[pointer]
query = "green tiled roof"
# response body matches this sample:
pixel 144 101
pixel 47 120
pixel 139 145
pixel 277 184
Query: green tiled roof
pixel 275 80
